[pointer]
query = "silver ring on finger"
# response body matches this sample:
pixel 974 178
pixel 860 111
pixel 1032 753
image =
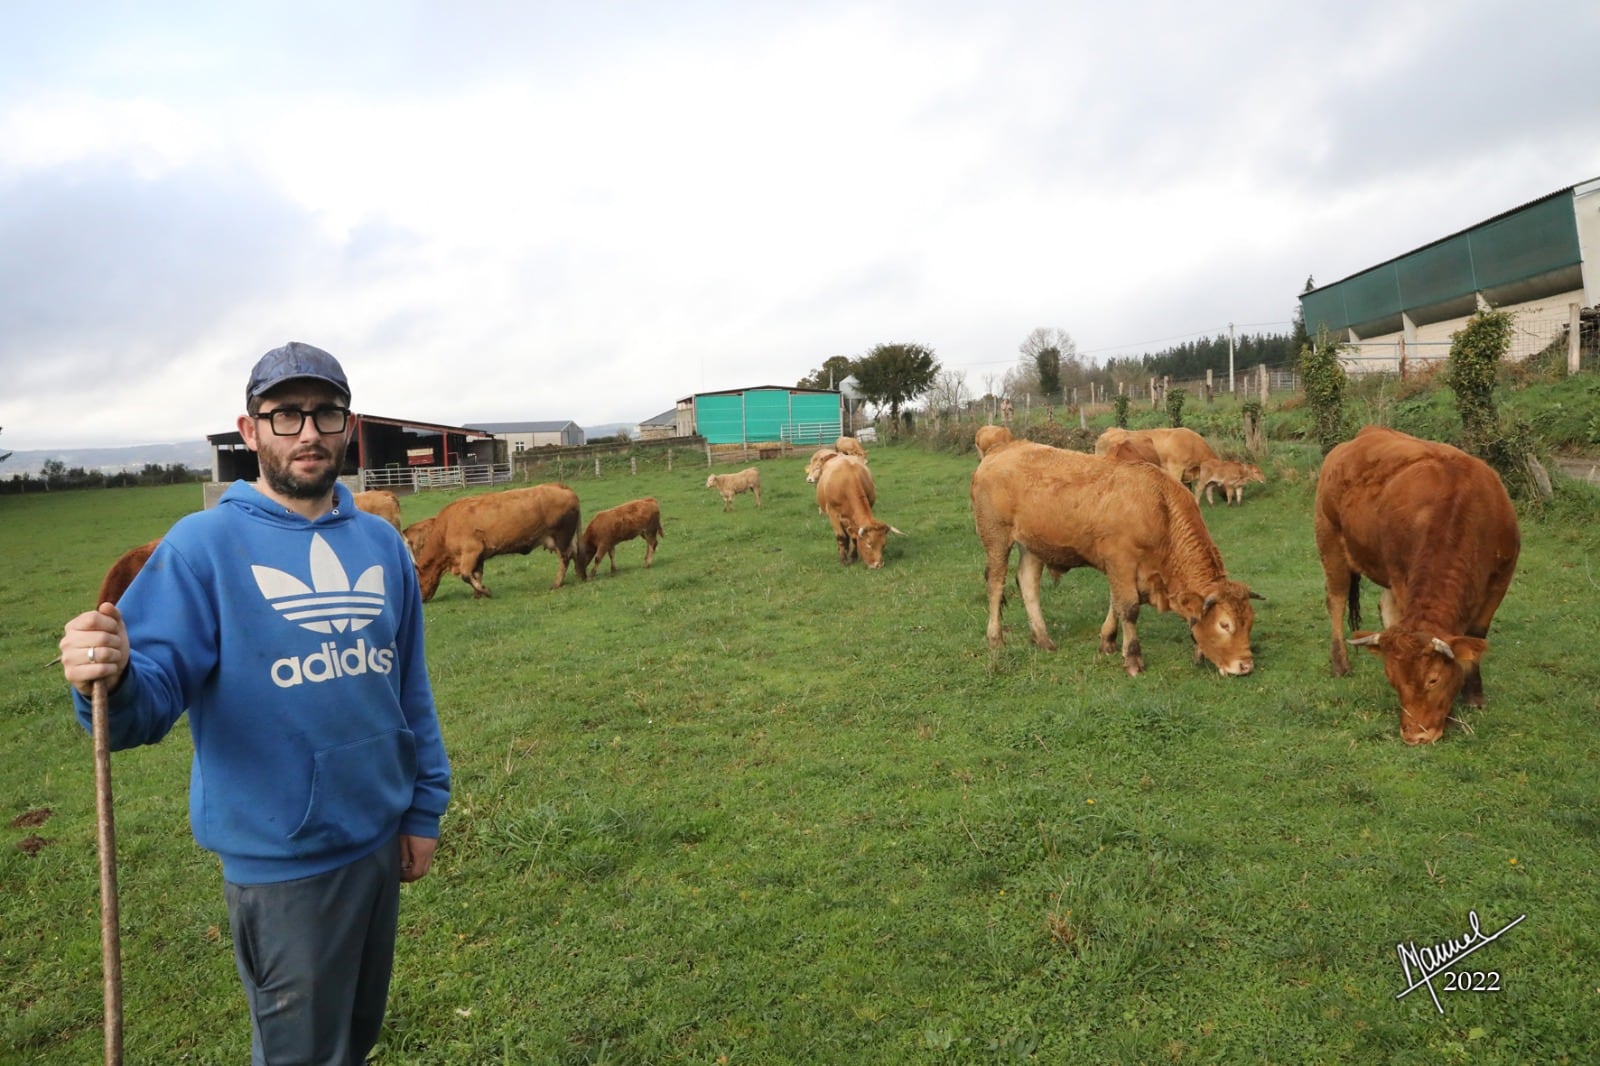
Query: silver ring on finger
pixel 91 655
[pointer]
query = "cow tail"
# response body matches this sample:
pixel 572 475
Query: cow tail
pixel 1354 600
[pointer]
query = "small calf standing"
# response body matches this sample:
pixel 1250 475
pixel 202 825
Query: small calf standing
pixel 730 485
pixel 607 529
pixel 1232 476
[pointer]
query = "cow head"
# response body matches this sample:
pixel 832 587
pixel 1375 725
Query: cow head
pixel 870 540
pixel 1427 672
pixel 1220 623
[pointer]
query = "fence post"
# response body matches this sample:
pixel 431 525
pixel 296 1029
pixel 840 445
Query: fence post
pixel 1574 328
pixel 669 460
pixel 633 465
pixel 1208 385
pixel 1266 383
pixel 708 453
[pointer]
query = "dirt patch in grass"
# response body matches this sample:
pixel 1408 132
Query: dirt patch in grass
pixel 32 845
pixel 29 819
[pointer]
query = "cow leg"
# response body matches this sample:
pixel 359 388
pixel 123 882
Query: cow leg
pixel 649 551
pixel 1339 581
pixel 1030 572
pixel 1108 629
pixel 757 491
pixel 611 555
pixel 474 577
pixel 994 576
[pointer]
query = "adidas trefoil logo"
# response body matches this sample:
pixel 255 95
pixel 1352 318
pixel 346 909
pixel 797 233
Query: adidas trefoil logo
pixel 331 604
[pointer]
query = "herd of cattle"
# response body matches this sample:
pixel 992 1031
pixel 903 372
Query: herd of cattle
pixel 1430 525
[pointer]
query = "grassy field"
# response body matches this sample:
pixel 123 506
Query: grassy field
pixel 750 806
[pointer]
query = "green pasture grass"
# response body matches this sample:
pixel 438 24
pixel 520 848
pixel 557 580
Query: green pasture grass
pixel 751 806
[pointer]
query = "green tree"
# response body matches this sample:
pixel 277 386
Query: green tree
pixel 1052 354
pixel 1325 381
pixel 1299 339
pixel 1175 398
pixel 891 375
pixel 834 369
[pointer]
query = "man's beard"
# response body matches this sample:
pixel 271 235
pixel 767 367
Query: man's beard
pixel 280 476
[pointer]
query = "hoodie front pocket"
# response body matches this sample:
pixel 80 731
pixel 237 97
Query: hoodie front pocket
pixel 358 791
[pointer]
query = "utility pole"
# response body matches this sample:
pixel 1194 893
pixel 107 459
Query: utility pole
pixel 1230 357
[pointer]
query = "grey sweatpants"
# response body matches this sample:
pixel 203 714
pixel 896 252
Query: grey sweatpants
pixel 315 957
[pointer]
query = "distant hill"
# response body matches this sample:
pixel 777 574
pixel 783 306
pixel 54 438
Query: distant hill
pixel 611 429
pixel 196 455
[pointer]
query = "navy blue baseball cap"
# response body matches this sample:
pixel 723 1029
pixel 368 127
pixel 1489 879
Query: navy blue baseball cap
pixel 295 360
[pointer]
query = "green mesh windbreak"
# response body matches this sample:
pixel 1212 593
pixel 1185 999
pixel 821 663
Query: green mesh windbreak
pixel 720 419
pixel 1436 273
pixel 1539 239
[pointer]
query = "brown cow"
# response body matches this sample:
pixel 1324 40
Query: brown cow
pixel 636 518
pixel 850 446
pixel 846 494
pixel 991 437
pixel 471 530
pixel 818 458
pixel 1129 521
pixel 1434 528
pixel 381 502
pixel 123 571
pixel 416 535
pixel 1232 476
pixel 730 485
pixel 1134 450
pixel 1181 450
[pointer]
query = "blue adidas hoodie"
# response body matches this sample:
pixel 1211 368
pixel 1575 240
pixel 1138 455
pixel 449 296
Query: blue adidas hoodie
pixel 297 649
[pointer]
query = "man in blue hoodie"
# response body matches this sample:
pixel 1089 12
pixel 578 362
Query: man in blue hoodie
pixel 289 625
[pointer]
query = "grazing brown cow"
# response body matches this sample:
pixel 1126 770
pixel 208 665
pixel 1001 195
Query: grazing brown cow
pixel 850 446
pixel 381 502
pixel 1129 521
pixel 990 437
pixel 123 571
pixel 1434 528
pixel 730 485
pixel 416 535
pixel 1232 476
pixel 1181 450
pixel 846 494
pixel 476 528
pixel 636 518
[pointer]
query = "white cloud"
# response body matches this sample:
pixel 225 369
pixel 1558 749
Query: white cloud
pixel 591 212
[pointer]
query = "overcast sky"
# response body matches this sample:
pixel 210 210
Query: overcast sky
pixel 531 210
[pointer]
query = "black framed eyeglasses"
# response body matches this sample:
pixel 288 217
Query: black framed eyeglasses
pixel 289 421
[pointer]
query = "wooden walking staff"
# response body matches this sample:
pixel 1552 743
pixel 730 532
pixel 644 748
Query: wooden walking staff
pixel 110 937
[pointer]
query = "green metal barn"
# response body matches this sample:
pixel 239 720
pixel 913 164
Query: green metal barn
pixel 769 414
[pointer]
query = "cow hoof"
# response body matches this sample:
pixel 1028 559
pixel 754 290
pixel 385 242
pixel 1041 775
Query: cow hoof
pixel 1108 647
pixel 1135 667
pixel 1045 642
pixel 1340 671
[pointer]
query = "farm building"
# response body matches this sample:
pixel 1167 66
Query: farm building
pixel 678 422
pixel 384 453
pixel 1540 261
pixel 520 436
pixel 765 414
